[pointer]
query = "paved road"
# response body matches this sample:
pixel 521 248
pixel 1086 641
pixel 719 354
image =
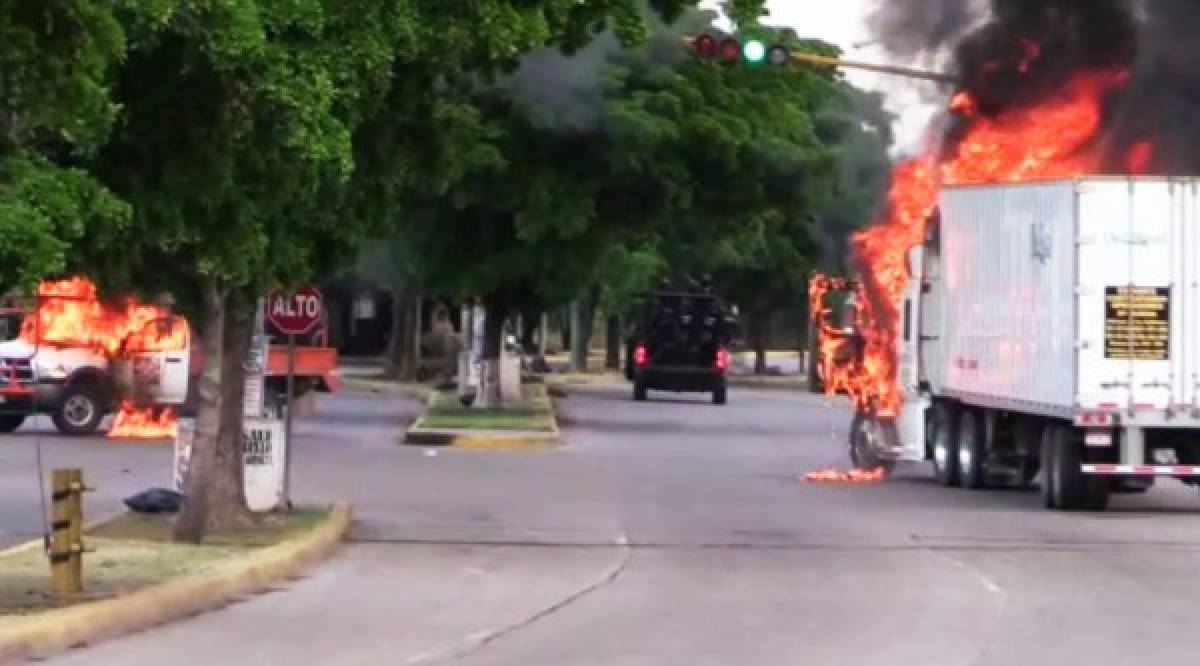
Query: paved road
pixel 675 532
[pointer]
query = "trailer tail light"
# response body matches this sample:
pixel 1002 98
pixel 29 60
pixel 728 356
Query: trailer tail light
pixel 722 361
pixel 1095 419
pixel 640 356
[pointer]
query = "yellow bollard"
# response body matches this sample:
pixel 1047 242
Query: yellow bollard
pixel 66 532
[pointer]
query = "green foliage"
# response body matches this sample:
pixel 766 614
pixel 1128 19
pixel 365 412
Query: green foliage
pixel 649 159
pixel 55 57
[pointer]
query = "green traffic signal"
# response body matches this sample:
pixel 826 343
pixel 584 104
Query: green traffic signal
pixel 754 51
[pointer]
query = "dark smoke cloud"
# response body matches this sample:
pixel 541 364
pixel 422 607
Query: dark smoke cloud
pixel 565 91
pixel 920 30
pixel 568 91
pixel 1162 102
pixel 1158 41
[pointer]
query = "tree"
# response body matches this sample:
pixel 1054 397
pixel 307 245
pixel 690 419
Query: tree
pixel 55 110
pixel 233 146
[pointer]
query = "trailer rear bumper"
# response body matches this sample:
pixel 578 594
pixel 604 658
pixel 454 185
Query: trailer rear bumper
pixel 1142 470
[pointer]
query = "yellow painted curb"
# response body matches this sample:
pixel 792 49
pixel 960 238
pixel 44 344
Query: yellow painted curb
pixel 58 630
pixel 500 443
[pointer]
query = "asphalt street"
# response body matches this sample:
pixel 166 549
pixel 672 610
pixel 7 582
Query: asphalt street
pixel 669 532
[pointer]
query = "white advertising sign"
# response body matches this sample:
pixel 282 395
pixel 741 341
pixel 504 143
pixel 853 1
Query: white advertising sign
pixel 263 455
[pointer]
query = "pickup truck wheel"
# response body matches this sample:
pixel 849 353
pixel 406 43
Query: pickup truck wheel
pixel 79 412
pixel 944 444
pixel 971 450
pixel 639 391
pixel 10 422
pixel 720 396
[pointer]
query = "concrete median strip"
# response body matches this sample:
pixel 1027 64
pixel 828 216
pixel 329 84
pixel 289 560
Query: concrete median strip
pixel 57 630
pixel 529 425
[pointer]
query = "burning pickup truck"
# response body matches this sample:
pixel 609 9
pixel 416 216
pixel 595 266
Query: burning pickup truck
pixel 79 359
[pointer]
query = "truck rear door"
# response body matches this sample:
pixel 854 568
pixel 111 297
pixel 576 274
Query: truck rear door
pixel 1137 272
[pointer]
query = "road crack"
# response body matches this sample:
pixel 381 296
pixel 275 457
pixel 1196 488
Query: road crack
pixel 477 641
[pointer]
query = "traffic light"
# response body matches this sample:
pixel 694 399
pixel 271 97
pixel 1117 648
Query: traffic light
pixel 751 51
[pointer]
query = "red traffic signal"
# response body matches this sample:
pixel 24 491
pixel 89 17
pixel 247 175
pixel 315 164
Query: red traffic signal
pixel 731 50
pixel 706 46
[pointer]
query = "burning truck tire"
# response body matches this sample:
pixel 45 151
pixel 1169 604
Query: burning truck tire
pixel 868 437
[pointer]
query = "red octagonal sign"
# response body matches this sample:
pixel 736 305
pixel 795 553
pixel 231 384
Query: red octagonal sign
pixel 294 313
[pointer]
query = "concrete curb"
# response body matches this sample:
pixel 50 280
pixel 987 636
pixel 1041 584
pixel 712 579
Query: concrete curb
pixel 490 441
pixel 58 630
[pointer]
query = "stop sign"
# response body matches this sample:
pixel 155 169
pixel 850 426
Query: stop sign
pixel 294 313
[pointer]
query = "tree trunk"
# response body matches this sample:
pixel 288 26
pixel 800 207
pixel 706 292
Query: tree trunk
pixel 760 323
pixel 496 311
pixel 192 521
pixel 612 352
pixel 393 357
pixel 578 357
pixel 414 343
pixel 226 496
pixel 530 321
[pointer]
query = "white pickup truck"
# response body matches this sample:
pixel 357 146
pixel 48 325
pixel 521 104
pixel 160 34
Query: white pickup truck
pixel 79 386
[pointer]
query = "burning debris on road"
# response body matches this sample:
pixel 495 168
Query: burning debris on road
pixel 1045 91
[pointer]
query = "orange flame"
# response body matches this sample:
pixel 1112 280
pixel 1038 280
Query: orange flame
pixel 1053 139
pixel 149 423
pixel 70 314
pixel 853 476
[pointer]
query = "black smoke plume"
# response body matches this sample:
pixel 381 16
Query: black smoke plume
pixel 1020 52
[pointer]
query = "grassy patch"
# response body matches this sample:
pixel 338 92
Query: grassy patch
pixel 134 551
pixel 532 413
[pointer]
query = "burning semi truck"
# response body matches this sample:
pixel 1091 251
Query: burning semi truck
pixel 1027 304
pixel 1050 326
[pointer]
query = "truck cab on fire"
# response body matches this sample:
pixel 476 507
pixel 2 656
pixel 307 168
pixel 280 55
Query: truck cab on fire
pixel 78 385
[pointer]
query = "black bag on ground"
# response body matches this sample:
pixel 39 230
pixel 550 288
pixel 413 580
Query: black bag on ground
pixel 155 500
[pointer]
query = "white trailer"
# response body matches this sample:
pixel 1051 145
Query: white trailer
pixel 1053 326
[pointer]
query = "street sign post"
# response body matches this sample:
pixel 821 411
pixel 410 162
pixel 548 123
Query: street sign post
pixel 292 313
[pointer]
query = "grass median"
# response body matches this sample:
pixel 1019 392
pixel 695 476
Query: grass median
pixel 133 552
pixel 532 413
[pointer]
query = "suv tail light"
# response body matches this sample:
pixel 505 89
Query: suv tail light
pixel 640 355
pixel 722 361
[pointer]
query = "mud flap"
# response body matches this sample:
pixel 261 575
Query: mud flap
pixel 910 430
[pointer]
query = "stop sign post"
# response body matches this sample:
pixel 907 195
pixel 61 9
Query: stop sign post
pixel 292 313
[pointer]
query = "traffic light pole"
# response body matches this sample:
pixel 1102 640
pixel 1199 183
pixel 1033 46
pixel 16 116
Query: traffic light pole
pixel 730 49
pixel 814 59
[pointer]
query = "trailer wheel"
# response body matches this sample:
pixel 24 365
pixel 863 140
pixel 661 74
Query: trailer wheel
pixel 1070 489
pixel 1047 463
pixel 972 450
pixel 10 422
pixel 943 444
